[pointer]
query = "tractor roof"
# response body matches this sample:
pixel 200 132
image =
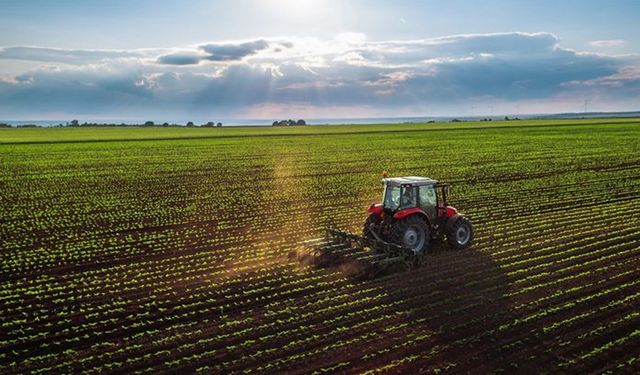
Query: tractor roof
pixel 409 180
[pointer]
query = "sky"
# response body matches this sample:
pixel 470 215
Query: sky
pixel 192 60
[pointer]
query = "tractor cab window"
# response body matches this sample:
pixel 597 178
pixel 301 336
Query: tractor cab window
pixel 427 196
pixel 409 197
pixel 399 198
pixel 428 201
pixel 392 197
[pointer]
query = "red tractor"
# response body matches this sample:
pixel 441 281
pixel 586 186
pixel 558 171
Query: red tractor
pixel 414 211
pixel 398 231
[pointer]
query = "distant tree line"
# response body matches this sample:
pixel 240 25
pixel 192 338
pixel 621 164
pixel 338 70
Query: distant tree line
pixel 506 118
pixel 289 123
pixel 76 123
pixel 189 124
pixel 3 125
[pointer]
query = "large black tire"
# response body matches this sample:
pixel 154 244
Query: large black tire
pixel 372 219
pixel 460 235
pixel 412 232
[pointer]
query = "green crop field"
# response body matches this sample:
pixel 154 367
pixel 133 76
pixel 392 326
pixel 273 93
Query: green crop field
pixel 140 250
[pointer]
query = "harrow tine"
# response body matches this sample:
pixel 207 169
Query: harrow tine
pixel 314 241
pixel 371 257
pixel 360 257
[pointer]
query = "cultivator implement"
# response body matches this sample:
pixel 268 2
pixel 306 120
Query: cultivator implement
pixel 358 256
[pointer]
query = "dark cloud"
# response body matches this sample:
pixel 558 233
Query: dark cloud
pixel 229 52
pixel 221 52
pixel 179 59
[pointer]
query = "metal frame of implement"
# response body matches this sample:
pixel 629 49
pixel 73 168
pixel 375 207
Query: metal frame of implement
pixel 369 257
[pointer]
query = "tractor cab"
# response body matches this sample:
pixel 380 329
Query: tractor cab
pixel 409 193
pixel 404 193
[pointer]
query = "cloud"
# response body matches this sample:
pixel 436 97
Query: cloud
pixel 608 43
pixel 67 56
pixel 211 52
pixel 623 84
pixel 222 52
pixel 180 58
pixel 505 46
pixel 309 75
pixel 227 52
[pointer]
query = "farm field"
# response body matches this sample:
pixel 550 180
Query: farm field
pixel 148 250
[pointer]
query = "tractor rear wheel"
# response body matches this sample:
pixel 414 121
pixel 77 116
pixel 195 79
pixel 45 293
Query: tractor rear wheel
pixel 460 234
pixel 412 232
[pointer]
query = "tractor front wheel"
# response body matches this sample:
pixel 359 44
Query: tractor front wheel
pixel 460 234
pixel 412 232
